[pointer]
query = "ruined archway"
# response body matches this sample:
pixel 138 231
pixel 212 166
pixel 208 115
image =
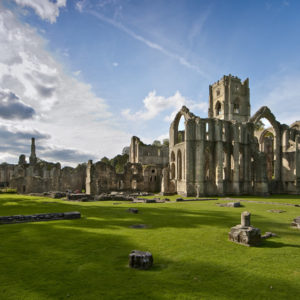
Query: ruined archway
pixel 177 136
pixel 265 112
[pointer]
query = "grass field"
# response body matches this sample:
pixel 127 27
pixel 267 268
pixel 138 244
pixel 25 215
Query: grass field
pixel 87 258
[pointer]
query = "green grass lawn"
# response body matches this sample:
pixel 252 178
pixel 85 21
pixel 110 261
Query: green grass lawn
pixel 87 258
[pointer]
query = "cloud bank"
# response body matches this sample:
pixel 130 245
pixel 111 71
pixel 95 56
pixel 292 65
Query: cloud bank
pixel 155 104
pixel 45 9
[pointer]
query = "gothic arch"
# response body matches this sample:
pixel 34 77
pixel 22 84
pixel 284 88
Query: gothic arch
pixel 265 112
pixel 187 116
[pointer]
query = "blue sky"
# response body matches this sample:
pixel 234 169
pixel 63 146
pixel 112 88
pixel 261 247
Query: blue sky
pixel 84 76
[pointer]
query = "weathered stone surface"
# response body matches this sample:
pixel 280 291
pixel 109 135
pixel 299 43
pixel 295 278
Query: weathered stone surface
pixel 230 204
pixel 140 260
pixel 80 197
pixel 195 199
pixel 248 236
pixel 244 233
pixel 268 235
pixel 296 223
pixel 245 219
pixel 39 217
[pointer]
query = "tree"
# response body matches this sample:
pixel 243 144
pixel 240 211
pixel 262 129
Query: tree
pixel 156 143
pixel 166 142
pixel 259 125
pixel 126 150
pixel 105 160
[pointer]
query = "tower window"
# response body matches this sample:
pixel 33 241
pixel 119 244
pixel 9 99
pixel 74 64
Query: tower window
pixel 236 108
pixel 218 108
pixel 218 92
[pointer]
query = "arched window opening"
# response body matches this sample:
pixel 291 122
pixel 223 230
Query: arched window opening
pixel 179 165
pixel 218 108
pixel 181 130
pixel 172 156
pixel 236 107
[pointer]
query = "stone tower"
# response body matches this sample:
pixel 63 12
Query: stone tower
pixel 229 99
pixel 33 158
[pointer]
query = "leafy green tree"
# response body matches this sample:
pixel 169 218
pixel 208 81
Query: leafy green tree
pixel 156 143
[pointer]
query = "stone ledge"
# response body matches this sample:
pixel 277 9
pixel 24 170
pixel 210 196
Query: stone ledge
pixel 39 217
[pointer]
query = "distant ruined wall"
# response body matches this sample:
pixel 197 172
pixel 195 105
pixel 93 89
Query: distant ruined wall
pixel 42 177
pixel 102 177
pixel 148 154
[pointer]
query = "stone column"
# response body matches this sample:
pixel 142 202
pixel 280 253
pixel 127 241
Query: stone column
pixel 297 161
pixel 277 155
pixel 190 157
pixel 88 179
pixel 245 219
pixel 32 158
pixel 200 157
pixel 236 158
pixel 219 157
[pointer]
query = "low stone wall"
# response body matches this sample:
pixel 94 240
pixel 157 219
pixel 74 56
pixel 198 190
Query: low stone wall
pixel 40 217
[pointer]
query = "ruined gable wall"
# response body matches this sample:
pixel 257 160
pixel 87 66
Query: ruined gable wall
pixel 148 154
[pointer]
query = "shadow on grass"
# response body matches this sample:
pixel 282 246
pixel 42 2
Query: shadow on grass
pixel 86 259
pixel 51 262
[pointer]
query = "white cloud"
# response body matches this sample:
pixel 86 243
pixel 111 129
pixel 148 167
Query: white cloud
pixel 115 64
pixel 64 107
pixel 45 9
pixel 154 105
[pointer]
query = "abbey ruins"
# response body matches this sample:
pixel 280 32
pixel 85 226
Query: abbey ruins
pixel 224 154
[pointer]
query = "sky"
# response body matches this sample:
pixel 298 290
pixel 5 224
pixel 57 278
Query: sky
pixel 84 76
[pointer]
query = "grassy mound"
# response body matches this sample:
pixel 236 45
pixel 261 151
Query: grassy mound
pixel 193 259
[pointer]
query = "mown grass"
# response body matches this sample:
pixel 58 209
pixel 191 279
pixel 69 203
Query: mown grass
pixel 87 258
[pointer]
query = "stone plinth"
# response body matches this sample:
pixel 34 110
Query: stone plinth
pixel 140 260
pixel 244 233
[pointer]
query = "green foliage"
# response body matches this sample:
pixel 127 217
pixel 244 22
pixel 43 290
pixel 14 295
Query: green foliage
pixel 87 258
pixel 259 125
pixel 118 162
pixel 156 143
pixel 105 160
pixel 166 142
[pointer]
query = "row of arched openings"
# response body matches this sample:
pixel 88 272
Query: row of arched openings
pixel 179 165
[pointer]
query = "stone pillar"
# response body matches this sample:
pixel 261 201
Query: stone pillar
pixel 200 157
pixel 190 167
pixel 88 179
pixel 32 158
pixel 219 157
pixel 277 155
pixel 245 219
pixel 297 162
pixel 236 158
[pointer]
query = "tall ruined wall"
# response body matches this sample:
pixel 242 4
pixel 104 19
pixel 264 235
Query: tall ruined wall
pixel 217 157
pixel 148 154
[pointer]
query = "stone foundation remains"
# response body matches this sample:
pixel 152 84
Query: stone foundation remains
pixel 39 217
pixel 244 233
